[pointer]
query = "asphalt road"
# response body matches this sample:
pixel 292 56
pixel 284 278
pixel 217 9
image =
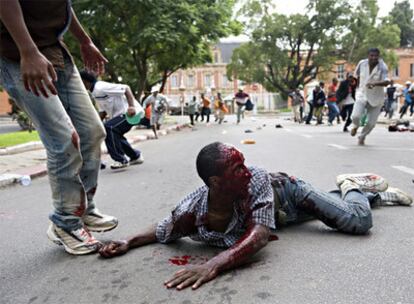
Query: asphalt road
pixel 309 263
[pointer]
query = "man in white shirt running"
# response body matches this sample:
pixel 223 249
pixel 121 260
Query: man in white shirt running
pixel 114 102
pixel 372 75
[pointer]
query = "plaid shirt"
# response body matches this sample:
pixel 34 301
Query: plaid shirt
pixel 190 218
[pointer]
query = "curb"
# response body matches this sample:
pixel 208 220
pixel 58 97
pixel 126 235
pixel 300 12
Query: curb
pixel 9 179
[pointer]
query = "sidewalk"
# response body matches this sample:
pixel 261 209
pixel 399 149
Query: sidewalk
pixel 30 159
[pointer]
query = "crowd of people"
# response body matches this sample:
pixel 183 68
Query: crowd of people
pixel 357 101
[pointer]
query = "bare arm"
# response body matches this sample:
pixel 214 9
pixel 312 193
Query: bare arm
pixel 255 238
pixel 130 99
pixel 37 72
pixel 116 248
pixel 91 56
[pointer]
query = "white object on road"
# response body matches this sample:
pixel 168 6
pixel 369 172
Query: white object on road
pixel 25 180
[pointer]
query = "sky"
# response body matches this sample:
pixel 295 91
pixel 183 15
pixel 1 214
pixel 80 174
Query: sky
pixel 288 7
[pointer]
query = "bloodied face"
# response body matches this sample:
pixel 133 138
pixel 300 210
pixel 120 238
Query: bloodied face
pixel 236 176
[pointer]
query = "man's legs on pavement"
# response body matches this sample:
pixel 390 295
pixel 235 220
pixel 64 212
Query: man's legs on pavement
pixel 115 129
pixel 65 161
pixel 350 215
pixel 357 113
pixel 372 117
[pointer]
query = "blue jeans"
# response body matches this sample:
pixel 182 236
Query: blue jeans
pixel 71 132
pixel 240 112
pixel 333 111
pixel 352 214
pixel 115 141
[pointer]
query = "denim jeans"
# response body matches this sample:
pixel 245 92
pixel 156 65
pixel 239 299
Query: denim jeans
pixel 352 214
pixel 115 141
pixel 71 132
pixel 333 111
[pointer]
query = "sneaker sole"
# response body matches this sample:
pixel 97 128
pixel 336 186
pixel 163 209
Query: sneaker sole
pixel 100 230
pixel 54 238
pixel 402 193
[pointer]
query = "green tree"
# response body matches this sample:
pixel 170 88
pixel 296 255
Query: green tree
pixel 402 15
pixel 366 30
pixel 146 41
pixel 286 51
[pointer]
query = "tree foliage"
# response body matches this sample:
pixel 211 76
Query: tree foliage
pixel 145 41
pixel 402 15
pixel 286 51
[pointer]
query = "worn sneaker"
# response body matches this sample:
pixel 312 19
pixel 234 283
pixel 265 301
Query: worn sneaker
pixel 98 222
pixel 137 161
pixel 118 165
pixel 366 181
pixel 354 131
pixel 75 242
pixel 395 196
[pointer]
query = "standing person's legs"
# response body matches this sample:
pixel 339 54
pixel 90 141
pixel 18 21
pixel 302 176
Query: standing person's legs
pixel 70 172
pixel 191 119
pixel 412 108
pixel 357 113
pixel 332 112
pixel 352 214
pixel 310 114
pixel 403 110
pixel 207 113
pixel 114 129
pixel 372 117
pixel 239 111
pixel 348 112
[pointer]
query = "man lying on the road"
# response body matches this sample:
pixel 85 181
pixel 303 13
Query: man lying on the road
pixel 238 205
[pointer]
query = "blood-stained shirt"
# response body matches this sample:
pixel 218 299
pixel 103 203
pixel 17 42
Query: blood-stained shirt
pixel 190 217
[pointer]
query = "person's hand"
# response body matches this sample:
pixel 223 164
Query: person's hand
pixel 114 248
pixel 38 74
pixel 131 111
pixel 192 275
pixel 370 85
pixel 92 58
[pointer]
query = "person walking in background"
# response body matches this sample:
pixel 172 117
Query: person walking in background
pixel 345 96
pixel 159 106
pixel 319 100
pixel 192 106
pixel 390 104
pixel 205 110
pixel 372 75
pixel 408 101
pixel 241 99
pixel 297 101
pixel 38 72
pixel 115 101
pixel 222 109
pixel 332 102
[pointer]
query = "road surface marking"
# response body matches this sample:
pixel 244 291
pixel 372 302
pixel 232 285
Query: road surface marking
pixel 338 147
pixel 288 130
pixel 306 135
pixel 404 169
pixel 303 135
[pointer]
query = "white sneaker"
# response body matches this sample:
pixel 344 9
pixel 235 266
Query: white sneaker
pixel 396 196
pixel 368 182
pixel 118 165
pixel 98 222
pixel 75 242
pixel 137 161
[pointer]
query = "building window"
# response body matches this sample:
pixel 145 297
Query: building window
pixel 225 81
pixel 190 81
pixel 412 70
pixel 207 80
pixel 396 72
pixel 341 72
pixel 174 81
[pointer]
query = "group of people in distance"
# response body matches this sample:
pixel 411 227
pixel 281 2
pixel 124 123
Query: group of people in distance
pixel 359 97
